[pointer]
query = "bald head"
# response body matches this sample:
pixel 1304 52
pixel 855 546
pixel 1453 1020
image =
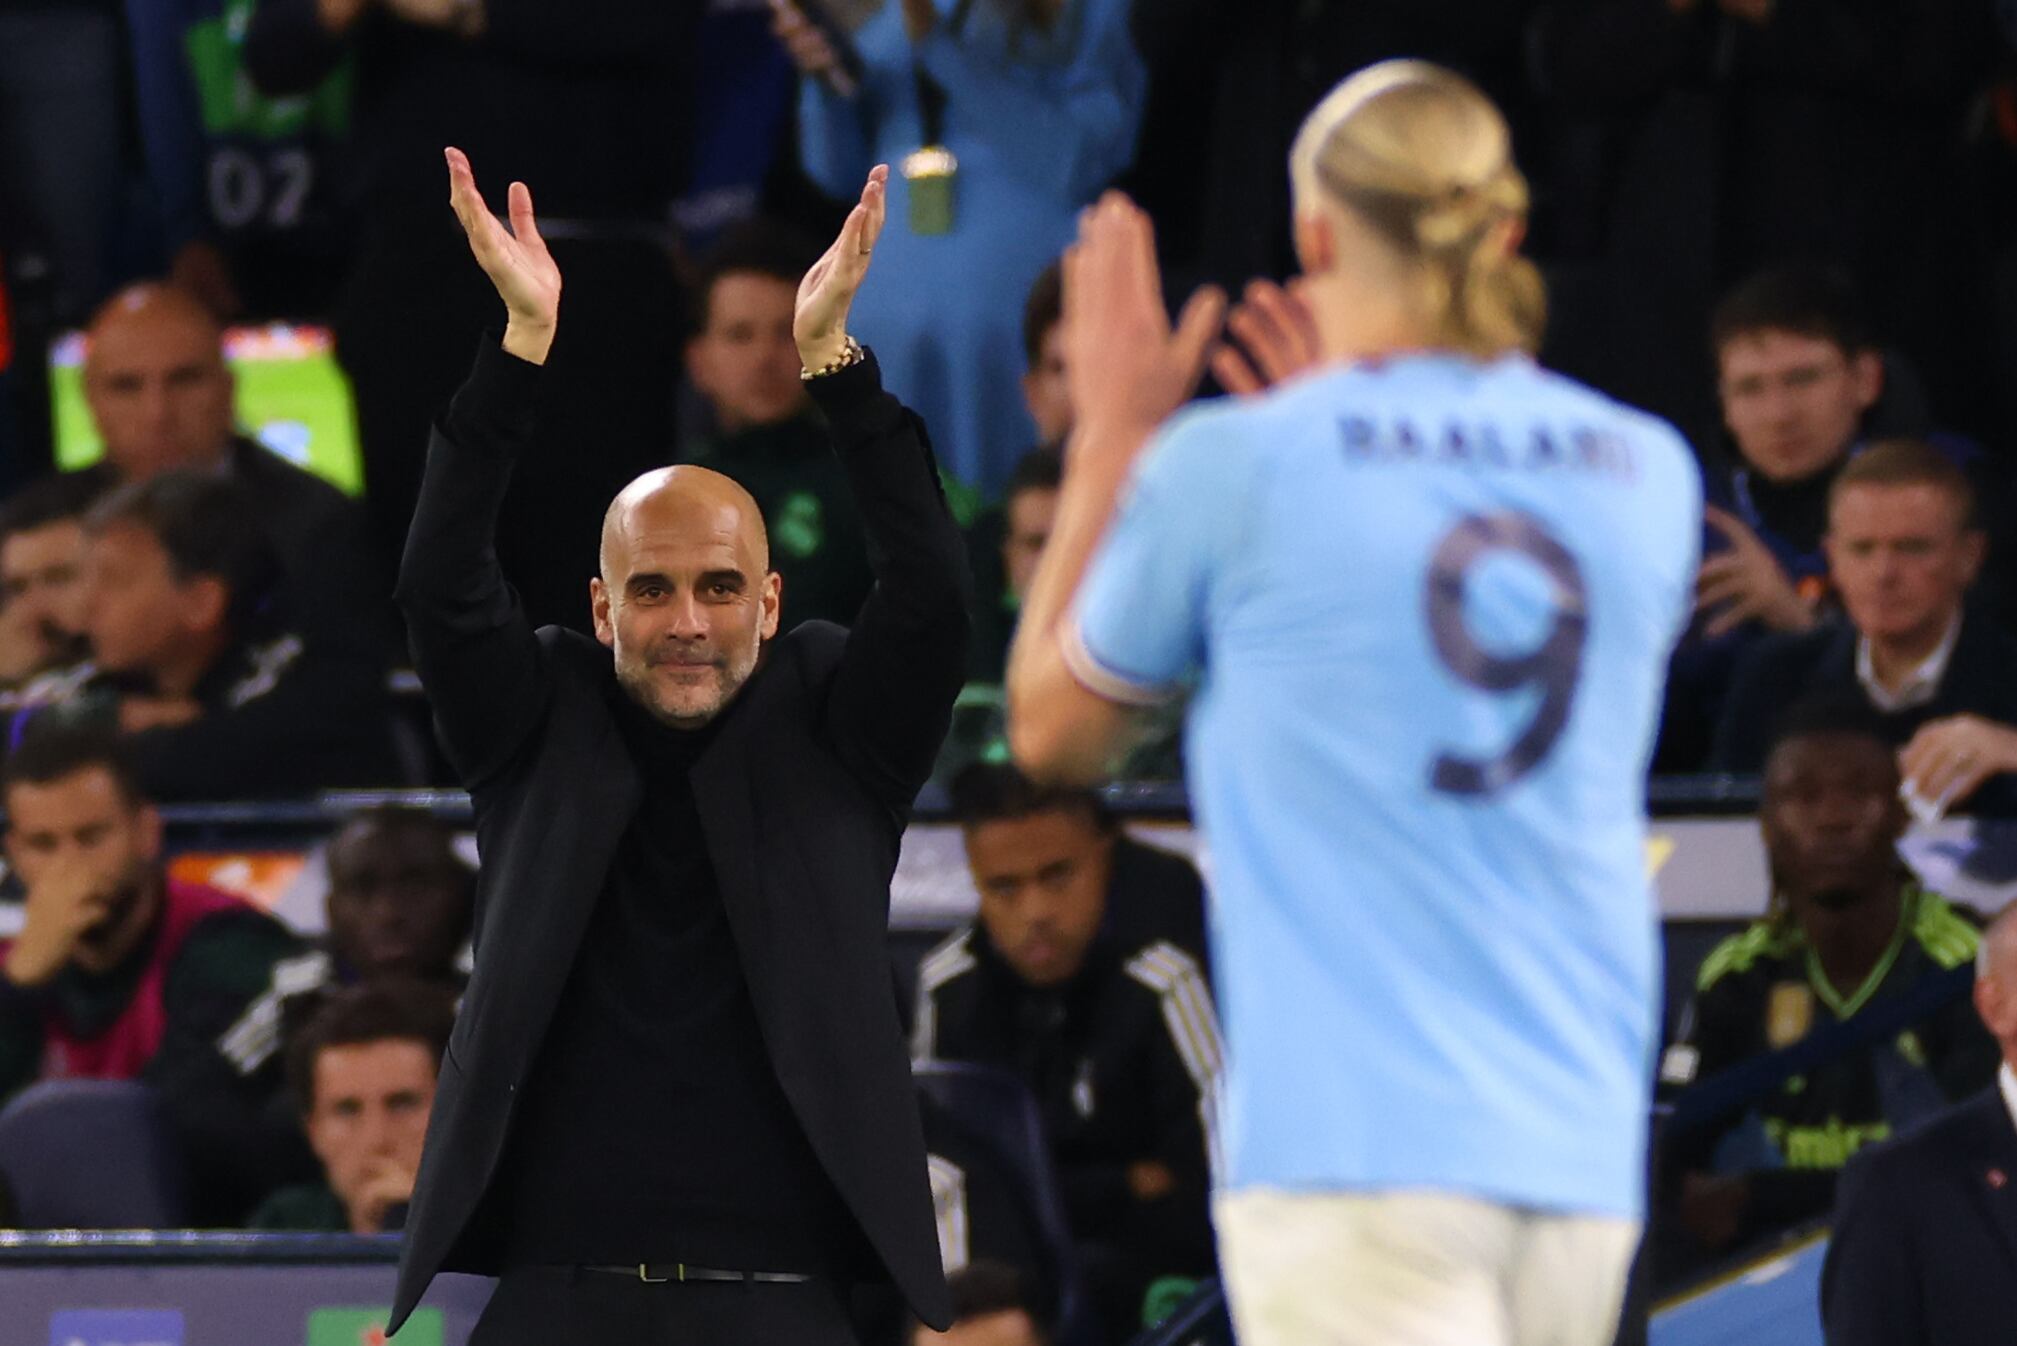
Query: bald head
pixel 1996 981
pixel 685 501
pixel 686 596
pixel 156 383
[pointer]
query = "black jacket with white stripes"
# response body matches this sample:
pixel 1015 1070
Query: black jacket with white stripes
pixel 1123 1060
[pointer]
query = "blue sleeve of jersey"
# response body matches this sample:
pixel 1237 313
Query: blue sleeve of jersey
pixel 1138 626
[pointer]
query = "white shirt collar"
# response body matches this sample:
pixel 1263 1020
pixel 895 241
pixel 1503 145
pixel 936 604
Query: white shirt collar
pixel 2007 1078
pixel 1920 686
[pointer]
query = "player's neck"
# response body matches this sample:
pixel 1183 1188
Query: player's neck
pixel 1850 942
pixel 1358 322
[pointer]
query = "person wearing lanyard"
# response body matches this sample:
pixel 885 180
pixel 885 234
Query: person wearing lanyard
pixel 1003 117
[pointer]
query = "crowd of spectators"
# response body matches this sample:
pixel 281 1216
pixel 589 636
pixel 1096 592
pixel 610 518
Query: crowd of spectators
pixel 1786 227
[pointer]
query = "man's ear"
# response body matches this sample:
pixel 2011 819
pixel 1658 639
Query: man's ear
pixel 598 606
pixel 1316 242
pixel 1974 550
pixel 773 604
pixel 1866 371
pixel 149 826
pixel 205 602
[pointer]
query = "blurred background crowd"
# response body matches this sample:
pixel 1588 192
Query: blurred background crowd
pixel 232 300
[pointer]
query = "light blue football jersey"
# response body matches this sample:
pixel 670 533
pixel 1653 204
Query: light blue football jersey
pixel 1427 604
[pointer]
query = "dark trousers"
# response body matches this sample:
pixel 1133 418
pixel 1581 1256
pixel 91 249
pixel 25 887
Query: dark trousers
pixel 541 1306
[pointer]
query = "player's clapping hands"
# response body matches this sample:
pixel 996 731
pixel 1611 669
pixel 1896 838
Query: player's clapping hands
pixel 1128 368
pixel 1274 338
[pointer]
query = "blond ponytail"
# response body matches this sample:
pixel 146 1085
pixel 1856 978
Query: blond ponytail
pixel 1422 156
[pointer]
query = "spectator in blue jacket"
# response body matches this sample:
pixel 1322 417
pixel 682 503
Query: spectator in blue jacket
pixel 1033 106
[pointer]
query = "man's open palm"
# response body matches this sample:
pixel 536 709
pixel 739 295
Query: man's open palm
pixel 515 259
pixel 820 324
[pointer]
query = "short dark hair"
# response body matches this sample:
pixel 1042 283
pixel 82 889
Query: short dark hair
pixel 400 1009
pixel 207 526
pixel 985 1287
pixel 1041 469
pixel 60 497
pixel 1907 462
pixel 49 747
pixel 1043 310
pixel 988 792
pixel 1804 298
pixel 757 246
pixel 1829 714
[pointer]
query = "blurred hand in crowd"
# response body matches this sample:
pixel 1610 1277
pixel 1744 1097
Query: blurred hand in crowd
pixel 808 47
pixel 515 259
pixel 1745 583
pixel 65 902
pixel 1275 338
pixel 87 853
pixel 1948 760
pixel 137 714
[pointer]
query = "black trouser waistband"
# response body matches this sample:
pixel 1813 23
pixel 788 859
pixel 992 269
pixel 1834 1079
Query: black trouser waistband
pixel 658 1273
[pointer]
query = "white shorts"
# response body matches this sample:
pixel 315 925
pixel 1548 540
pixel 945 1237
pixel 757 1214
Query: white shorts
pixel 1410 1268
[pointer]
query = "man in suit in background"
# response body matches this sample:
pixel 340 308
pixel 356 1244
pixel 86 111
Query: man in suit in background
pixel 1925 1246
pixel 676 1107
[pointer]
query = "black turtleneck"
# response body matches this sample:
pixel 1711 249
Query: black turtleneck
pixel 653 1127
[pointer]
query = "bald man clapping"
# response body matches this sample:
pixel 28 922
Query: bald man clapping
pixel 677 1107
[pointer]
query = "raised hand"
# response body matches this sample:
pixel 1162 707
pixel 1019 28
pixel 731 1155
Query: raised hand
pixel 1745 583
pixel 515 259
pixel 820 323
pixel 1949 759
pixel 62 906
pixel 807 46
pixel 1127 368
pixel 1274 338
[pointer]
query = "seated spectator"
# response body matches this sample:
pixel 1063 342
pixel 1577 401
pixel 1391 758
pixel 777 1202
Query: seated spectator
pixel 1045 391
pixel 161 398
pixel 1797 370
pixel 991 1306
pixel 400 906
pixel 1005 546
pixel 190 660
pixel 1920 1251
pixel 363 1072
pixel 1903 549
pixel 42 576
pixel 1112 1029
pixel 764 432
pixel 122 972
pixel 1849 929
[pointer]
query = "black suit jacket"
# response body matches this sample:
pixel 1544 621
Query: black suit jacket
pixel 1925 1244
pixel 1781 671
pixel 803 796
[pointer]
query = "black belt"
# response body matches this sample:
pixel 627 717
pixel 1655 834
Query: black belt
pixel 660 1273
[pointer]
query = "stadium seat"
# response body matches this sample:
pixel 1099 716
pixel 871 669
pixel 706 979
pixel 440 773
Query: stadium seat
pixel 994 1106
pixel 90 1154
